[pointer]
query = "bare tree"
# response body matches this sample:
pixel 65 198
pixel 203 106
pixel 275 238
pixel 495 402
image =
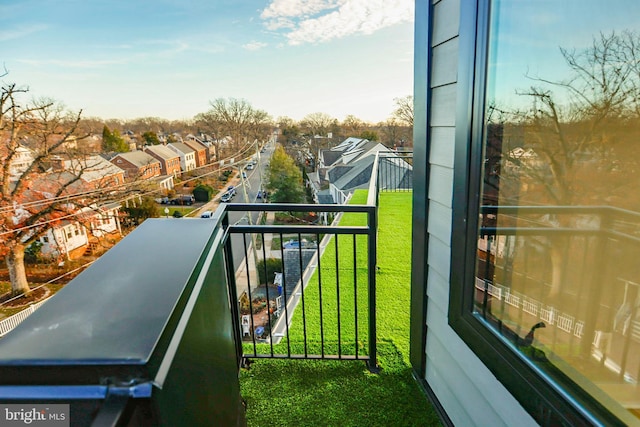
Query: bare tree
pixel 35 194
pixel 586 116
pixel 317 124
pixel 404 110
pixel 394 133
pixel 353 126
pixel 234 118
pixel 571 146
pixel 317 127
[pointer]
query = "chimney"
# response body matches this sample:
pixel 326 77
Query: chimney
pixel 57 163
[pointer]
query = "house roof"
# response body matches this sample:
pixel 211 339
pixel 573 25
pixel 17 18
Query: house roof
pixel 330 156
pixel 349 144
pixel 350 150
pixel 394 173
pixel 92 168
pixel 162 178
pixel 336 172
pixel 138 158
pixel 361 149
pixel 183 148
pixel 325 197
pixel 358 175
pixel 98 209
pixel 314 179
pixel 45 186
pixel 162 152
pixel 195 144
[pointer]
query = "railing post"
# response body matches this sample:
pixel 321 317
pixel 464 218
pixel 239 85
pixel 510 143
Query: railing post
pixel 373 260
pixel 233 293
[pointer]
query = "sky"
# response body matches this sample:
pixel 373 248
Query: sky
pixel 519 59
pixel 169 58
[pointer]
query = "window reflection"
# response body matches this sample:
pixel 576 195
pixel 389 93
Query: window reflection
pixel 557 269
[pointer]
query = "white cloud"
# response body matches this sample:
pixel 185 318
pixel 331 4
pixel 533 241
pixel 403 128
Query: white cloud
pixel 279 23
pixel 299 8
pixel 254 45
pixel 318 21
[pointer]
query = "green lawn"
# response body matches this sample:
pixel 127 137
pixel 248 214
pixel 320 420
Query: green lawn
pixel 344 393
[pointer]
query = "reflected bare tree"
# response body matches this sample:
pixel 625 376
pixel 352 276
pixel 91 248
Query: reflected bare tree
pixel 575 144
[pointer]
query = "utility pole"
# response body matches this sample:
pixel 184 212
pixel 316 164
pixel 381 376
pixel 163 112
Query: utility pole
pixel 249 220
pixel 259 157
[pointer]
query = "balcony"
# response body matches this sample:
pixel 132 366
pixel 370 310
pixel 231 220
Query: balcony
pixel 570 305
pixel 323 342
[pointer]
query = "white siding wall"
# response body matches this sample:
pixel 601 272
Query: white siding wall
pixel 468 391
pixel 190 161
pixel 62 240
pixel 105 223
pixel 338 195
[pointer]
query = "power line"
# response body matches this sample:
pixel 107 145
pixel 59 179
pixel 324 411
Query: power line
pixel 102 190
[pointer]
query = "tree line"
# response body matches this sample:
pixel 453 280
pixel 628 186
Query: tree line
pixel 38 194
pixel 232 123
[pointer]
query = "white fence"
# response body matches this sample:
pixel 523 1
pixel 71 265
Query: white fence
pixel 11 322
pixel 551 315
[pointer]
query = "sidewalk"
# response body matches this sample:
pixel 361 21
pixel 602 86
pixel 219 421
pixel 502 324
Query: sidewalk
pixel 271 217
pixel 241 272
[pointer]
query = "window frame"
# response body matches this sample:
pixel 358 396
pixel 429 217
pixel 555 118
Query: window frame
pixel 546 399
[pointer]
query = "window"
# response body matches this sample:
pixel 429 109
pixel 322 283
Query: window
pixel 549 293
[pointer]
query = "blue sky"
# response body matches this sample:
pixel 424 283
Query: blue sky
pixel 169 58
pixel 571 25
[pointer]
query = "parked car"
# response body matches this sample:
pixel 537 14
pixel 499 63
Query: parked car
pixel 295 244
pixel 206 214
pixel 163 200
pixel 250 166
pixel 291 244
pixel 232 190
pixel 244 174
pixel 226 197
pixel 183 199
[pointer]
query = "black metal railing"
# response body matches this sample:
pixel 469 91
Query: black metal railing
pixel 394 171
pixel 321 304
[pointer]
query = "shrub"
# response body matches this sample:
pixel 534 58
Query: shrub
pixel 203 193
pixel 33 253
pixel 273 265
